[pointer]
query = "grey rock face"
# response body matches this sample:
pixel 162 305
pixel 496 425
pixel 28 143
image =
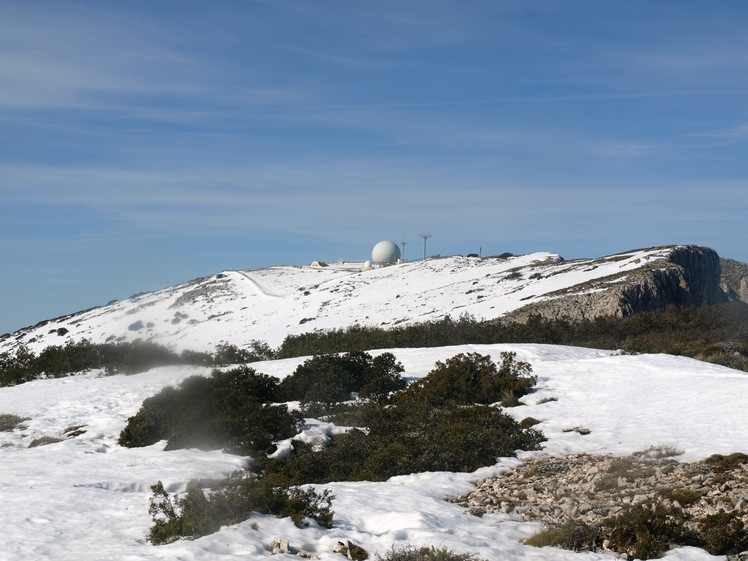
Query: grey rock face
pixel 689 276
pixel 735 279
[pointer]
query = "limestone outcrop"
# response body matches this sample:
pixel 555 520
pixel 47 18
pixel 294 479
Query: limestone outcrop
pixel 735 279
pixel 688 276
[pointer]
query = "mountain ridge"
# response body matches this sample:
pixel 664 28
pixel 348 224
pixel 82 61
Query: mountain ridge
pixel 236 307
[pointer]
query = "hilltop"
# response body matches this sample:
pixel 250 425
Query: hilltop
pixel 236 307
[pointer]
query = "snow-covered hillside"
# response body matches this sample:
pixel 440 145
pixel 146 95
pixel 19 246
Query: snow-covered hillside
pixel 86 498
pixel 268 304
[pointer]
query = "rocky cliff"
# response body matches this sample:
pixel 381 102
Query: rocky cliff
pixel 735 279
pixel 687 276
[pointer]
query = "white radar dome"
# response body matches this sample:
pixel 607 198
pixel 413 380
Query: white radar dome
pixel 385 252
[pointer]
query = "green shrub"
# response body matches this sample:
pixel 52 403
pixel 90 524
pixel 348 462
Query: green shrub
pixel 407 438
pixel 658 452
pixel 18 367
pixel 528 422
pixel 684 497
pixel 234 499
pixel 420 431
pixel 722 533
pixel 257 351
pixel 333 378
pixel 575 535
pixel 357 553
pixel 412 553
pixel 471 378
pixel 726 463
pixel 226 410
pixel 57 361
pixel 646 530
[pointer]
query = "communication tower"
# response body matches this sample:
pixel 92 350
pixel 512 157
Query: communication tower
pixel 425 236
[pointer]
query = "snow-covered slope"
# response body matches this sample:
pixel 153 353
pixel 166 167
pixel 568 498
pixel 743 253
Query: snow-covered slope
pixel 86 498
pixel 268 304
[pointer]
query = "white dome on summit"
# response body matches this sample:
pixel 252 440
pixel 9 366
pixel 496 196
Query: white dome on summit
pixel 385 252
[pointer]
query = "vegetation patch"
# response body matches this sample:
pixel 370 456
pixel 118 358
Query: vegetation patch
pixel 717 334
pixel 418 429
pixel 57 361
pixel 396 431
pixel 413 553
pixel 334 378
pixel 467 379
pixel 200 512
pixel 528 422
pixel 233 409
pixel 726 463
pixel 569 535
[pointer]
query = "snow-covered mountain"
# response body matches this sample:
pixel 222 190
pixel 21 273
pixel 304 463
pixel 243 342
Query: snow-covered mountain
pixel 268 304
pixel 84 497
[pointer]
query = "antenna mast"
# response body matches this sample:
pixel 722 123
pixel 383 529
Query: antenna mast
pixel 425 236
pixel 403 241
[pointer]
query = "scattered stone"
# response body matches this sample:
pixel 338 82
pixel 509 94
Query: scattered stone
pixel 589 488
pixel 279 545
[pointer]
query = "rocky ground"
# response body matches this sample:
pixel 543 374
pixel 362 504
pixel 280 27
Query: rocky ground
pixel 591 488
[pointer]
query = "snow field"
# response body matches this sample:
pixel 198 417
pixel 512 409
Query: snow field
pixel 86 498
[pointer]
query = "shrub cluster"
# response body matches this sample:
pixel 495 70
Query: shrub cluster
pixel 412 553
pixel 256 351
pixel 700 332
pixel 236 410
pixel 200 512
pixel 646 530
pixel 57 361
pixel 419 431
pixel 399 432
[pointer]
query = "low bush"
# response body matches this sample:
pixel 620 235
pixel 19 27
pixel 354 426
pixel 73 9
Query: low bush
pixel 333 378
pixel 412 553
pixel 573 535
pixel 201 512
pixel 407 438
pixel 256 351
pixel 646 530
pixel 684 497
pixel 726 463
pixel 466 379
pixel 230 410
pixel 723 533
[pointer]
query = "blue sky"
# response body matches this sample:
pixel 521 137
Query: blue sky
pixel 146 143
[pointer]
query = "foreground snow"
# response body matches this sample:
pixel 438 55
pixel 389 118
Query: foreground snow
pixel 86 498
